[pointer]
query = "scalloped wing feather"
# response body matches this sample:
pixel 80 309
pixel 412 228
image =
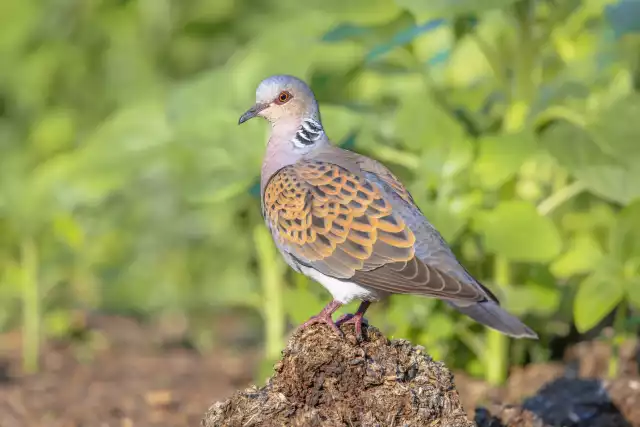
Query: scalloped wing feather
pixel 341 224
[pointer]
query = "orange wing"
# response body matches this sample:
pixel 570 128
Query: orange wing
pixel 340 224
pixel 328 218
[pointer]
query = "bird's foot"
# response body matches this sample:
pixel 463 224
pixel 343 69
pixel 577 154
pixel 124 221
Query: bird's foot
pixel 357 320
pixel 322 318
pixel 325 317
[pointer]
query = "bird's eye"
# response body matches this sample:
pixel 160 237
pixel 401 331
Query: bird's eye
pixel 283 97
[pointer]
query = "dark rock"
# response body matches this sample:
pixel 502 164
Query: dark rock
pixel 571 402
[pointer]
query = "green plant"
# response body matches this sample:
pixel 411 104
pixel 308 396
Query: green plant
pixel 126 185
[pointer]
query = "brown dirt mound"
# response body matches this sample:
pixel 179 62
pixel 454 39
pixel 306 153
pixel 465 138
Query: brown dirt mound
pixel 325 380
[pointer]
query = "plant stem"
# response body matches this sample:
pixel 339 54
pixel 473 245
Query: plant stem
pixel 30 306
pixel 497 356
pixel 559 112
pixel 515 120
pixel 618 337
pixel 494 61
pixel 527 51
pixel 271 278
pixel 559 197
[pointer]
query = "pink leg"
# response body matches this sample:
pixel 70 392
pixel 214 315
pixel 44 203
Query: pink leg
pixel 356 319
pixel 325 317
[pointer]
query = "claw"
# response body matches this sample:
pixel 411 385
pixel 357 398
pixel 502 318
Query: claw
pixel 356 319
pixel 325 317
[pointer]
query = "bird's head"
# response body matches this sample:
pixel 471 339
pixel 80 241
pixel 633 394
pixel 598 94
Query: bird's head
pixel 282 97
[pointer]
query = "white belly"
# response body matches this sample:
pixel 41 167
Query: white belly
pixel 341 290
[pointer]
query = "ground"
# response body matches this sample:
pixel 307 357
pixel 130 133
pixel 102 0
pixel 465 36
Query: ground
pixel 134 380
pixel 131 382
pixel 323 380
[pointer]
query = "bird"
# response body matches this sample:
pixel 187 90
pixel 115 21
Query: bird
pixel 346 221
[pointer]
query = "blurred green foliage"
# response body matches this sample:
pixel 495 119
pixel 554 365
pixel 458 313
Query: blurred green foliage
pixel 126 185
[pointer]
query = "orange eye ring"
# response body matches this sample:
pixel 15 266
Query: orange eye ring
pixel 283 97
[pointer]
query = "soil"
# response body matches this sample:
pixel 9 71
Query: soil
pixel 131 374
pixel 397 384
pixel 591 358
pixel 128 380
pixel 323 380
pixel 523 382
pixel 584 360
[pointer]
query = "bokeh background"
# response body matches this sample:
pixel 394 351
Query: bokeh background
pixel 127 188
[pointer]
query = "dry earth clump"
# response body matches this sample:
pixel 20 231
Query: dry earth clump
pixel 325 380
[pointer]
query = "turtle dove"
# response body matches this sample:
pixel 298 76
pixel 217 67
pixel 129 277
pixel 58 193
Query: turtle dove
pixel 347 222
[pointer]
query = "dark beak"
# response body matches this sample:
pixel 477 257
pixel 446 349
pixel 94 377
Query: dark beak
pixel 251 113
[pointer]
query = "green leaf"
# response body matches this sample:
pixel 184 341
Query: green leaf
pixel 597 296
pixel 633 291
pixel 603 174
pixel 501 156
pixel 58 323
pixel 582 256
pixel 451 216
pixel 624 240
pixel 360 11
pixel 450 8
pixel 574 148
pixel 405 37
pixel 600 216
pixel 423 125
pixel 67 229
pixel 612 182
pixel 532 298
pixel 518 232
pixel 370 35
pixel 53 132
pixel 631 272
pixel 617 130
pixel 425 128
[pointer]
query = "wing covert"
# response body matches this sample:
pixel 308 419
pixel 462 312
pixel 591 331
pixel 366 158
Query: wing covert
pixel 333 220
pixel 340 224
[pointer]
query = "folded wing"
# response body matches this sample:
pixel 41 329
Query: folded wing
pixel 340 224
